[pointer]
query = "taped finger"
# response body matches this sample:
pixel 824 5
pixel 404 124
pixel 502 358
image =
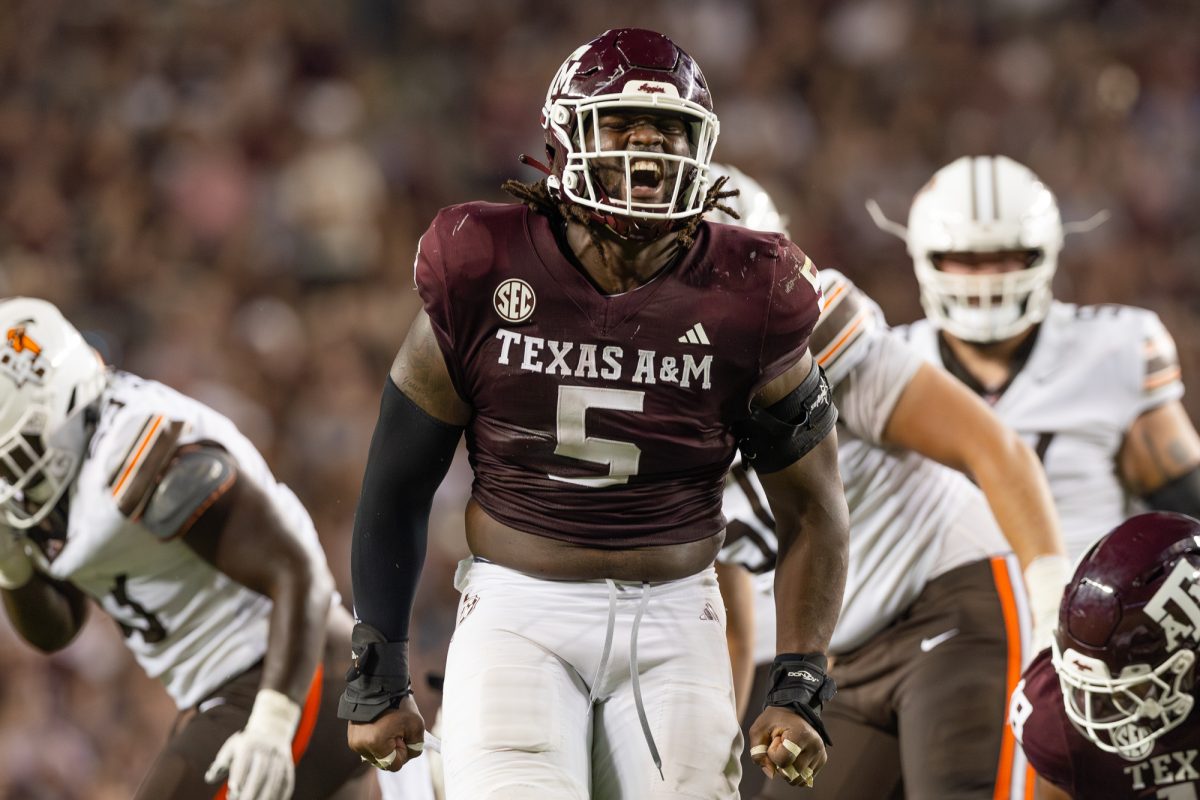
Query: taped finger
pixel 793 748
pixel 758 750
pixel 806 777
pixel 416 747
pixel 386 761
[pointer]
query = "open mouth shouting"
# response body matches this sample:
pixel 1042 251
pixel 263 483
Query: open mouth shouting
pixel 650 178
pixel 646 182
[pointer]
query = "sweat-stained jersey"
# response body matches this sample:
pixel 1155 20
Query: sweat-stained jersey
pixel 911 519
pixel 1069 760
pixel 606 420
pixel 187 624
pixel 1091 372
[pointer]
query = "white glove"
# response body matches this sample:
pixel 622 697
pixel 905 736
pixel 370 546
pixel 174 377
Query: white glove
pixel 1045 578
pixel 258 758
pixel 16 568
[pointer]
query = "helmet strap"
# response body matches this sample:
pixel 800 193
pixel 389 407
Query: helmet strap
pixel 530 161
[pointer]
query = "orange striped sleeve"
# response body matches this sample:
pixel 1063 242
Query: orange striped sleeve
pixel 831 352
pixel 139 472
pixel 136 455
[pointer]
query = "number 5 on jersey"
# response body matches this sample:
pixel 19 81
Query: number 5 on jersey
pixel 621 458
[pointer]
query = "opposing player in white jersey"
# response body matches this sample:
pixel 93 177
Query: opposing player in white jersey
pixel 930 639
pixel 157 508
pixel 1095 389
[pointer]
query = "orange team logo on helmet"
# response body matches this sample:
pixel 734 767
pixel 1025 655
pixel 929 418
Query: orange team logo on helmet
pixel 21 356
pixel 19 341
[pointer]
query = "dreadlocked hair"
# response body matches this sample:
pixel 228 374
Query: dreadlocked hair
pixel 538 198
pixel 712 200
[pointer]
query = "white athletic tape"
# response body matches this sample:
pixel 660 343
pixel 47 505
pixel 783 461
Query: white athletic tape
pixel 789 772
pixel 386 761
pixel 806 776
pixel 416 747
pixel 793 748
pixel 758 750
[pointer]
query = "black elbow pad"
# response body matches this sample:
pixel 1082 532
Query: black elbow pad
pixel 774 438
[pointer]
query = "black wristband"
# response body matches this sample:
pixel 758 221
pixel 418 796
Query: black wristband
pixel 378 679
pixel 798 683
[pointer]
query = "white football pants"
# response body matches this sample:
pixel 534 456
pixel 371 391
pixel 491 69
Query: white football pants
pixel 540 702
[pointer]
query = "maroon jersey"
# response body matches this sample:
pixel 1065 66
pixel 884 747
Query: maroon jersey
pixel 605 419
pixel 1069 760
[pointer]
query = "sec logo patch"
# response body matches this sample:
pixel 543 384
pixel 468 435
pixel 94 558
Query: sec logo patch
pixel 514 300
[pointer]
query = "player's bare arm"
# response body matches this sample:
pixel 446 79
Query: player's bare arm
pixel 239 531
pixel 812 525
pixel 965 435
pixel 242 536
pixel 46 613
pixel 419 371
pixel 1159 459
pixel 737 590
pixel 420 423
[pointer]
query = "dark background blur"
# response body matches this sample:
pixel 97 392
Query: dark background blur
pixel 227 197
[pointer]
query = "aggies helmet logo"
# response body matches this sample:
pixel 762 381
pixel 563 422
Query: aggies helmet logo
pixel 20 358
pixel 514 300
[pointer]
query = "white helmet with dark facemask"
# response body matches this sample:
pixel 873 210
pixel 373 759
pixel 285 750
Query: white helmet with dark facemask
pixel 985 204
pixel 48 376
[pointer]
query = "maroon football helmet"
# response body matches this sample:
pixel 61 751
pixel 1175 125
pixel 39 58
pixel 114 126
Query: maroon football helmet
pixel 628 68
pixel 1129 631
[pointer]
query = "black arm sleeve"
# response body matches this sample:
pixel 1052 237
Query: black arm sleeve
pixel 410 453
pixel 1181 495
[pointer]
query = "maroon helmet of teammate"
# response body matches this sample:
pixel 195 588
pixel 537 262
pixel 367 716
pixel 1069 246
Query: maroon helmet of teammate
pixel 1128 633
pixel 629 69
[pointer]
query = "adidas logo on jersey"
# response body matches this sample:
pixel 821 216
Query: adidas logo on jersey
pixel 695 335
pixel 709 614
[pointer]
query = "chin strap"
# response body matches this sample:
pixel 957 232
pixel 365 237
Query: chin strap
pixel 883 223
pixel 1089 224
pixel 530 161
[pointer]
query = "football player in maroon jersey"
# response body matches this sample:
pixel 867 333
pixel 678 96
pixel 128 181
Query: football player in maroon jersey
pixel 1109 710
pixel 606 350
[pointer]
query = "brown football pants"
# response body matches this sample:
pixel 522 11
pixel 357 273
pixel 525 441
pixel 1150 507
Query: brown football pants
pixel 920 709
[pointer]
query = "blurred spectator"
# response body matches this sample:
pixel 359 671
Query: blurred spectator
pixel 227 197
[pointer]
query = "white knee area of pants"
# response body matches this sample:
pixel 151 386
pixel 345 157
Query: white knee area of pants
pixel 699 739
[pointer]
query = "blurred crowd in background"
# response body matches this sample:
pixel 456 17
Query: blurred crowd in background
pixel 227 196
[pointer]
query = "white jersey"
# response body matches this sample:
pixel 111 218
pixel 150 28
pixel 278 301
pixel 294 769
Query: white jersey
pixel 1091 372
pixel 911 518
pixel 188 625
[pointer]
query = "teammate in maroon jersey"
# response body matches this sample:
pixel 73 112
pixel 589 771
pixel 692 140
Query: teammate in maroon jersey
pixel 1108 711
pixel 606 351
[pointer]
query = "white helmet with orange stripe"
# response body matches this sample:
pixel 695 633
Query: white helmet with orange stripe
pixel 48 376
